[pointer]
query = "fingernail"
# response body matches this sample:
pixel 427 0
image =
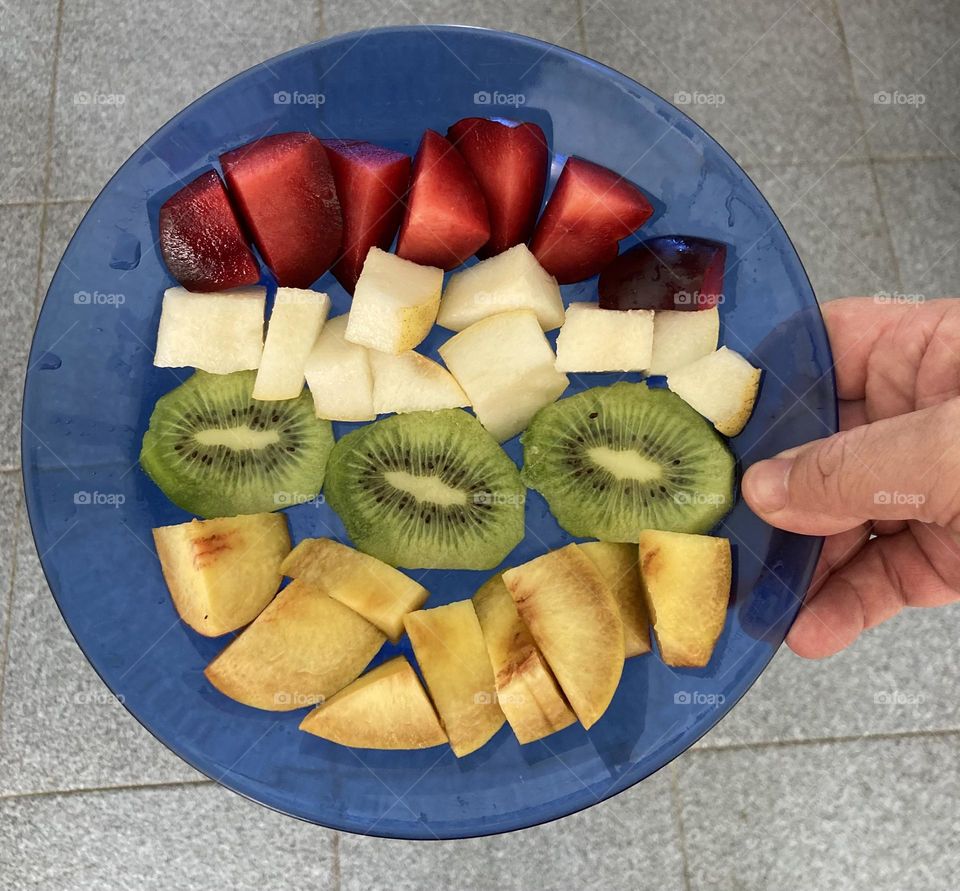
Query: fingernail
pixel 765 484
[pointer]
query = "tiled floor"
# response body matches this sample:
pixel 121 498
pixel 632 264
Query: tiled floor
pixel 842 774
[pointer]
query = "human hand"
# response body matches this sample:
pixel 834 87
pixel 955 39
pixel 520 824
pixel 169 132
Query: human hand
pixel 893 470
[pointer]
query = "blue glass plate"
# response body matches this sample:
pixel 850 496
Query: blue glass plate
pixel 91 386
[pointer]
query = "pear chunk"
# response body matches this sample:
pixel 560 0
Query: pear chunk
pixel 595 339
pixel 411 382
pixel 721 386
pixel 387 708
pixel 686 581
pixel 681 337
pixel 339 376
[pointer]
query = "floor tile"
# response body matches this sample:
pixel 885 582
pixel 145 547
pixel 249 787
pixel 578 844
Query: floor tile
pixel 906 64
pixel 555 22
pixel 20 237
pixel 872 814
pixel 27 35
pixel 834 218
pixel 625 843
pixel 60 727
pixel 194 838
pixel 127 68
pixel 922 201
pixel 769 80
pixel 897 678
pixel 10 509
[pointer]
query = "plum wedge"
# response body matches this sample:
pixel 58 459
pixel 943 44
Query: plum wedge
pixel 371 183
pixel 446 217
pixel 201 240
pixel 673 272
pixel 590 210
pixel 510 161
pixel 284 189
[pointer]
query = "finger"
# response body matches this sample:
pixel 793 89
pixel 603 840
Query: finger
pixel 853 413
pixel 838 550
pixel 900 468
pixel 886 575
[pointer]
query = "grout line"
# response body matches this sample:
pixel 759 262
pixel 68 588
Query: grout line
pixel 10 468
pixel 96 790
pixel 322 30
pixel 824 740
pixel 335 862
pixel 14 554
pixel 582 27
pixel 38 202
pixel 885 221
pixel 678 823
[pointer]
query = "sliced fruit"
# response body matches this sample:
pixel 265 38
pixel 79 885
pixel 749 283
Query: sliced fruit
pixel 571 613
pixel 387 708
pixel 216 452
pixel 618 565
pixel 371 181
pixel 339 375
pixel 511 280
pixel 446 218
pixel 595 339
pixel 590 210
pixel 201 240
pixel 614 460
pixel 510 161
pixel 449 647
pixel 395 303
pixel 506 367
pixel 427 490
pixel 526 690
pixel 680 338
pixel 222 573
pixel 283 188
pixel 722 387
pixel 411 382
pixel 219 333
pixel 378 592
pixel 686 580
pixel 673 272
pixel 303 648
pixel 295 324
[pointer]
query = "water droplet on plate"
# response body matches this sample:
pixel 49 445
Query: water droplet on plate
pixel 49 362
pixel 126 252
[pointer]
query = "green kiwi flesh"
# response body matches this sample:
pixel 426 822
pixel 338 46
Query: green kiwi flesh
pixel 217 452
pixel 427 490
pixel 612 461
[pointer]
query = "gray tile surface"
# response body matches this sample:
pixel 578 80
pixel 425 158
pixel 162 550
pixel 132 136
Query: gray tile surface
pixel 769 80
pixel 10 508
pixel 906 63
pixel 898 678
pixel 626 843
pixel 552 21
pixel 60 727
pixel 127 68
pixel 922 203
pixel 834 218
pixel 199 838
pixel 27 33
pixel 873 814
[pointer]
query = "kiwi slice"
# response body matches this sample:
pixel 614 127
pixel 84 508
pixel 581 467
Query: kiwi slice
pixel 217 452
pixel 612 461
pixel 427 490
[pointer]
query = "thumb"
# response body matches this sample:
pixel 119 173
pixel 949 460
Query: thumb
pixel 902 468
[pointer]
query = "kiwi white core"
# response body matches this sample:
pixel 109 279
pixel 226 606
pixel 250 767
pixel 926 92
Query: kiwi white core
pixel 240 438
pixel 625 464
pixel 425 488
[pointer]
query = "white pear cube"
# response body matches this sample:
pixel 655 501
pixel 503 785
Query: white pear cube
pixel 680 338
pixel 511 280
pixel 595 339
pixel 411 382
pixel 295 323
pixel 395 303
pixel 339 376
pixel 722 387
pixel 506 367
pixel 220 332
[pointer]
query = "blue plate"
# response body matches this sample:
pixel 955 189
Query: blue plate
pixel 91 387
